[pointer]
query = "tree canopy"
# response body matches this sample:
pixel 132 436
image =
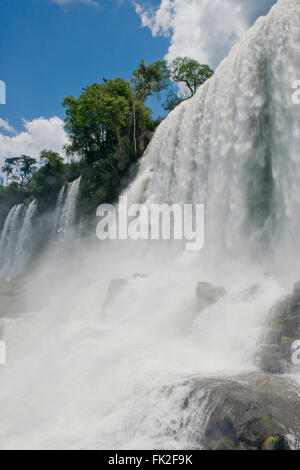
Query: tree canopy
pixel 108 126
pixel 19 169
pixel 190 72
pixel 150 79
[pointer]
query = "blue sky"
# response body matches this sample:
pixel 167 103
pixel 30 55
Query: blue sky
pixel 54 48
pixel 49 52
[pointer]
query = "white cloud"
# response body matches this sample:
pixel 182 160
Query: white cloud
pixel 38 135
pixel 202 29
pixel 5 126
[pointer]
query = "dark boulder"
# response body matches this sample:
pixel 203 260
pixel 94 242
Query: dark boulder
pixel 248 412
pixel 117 286
pixel 208 294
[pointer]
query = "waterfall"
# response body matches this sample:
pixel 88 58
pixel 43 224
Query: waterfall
pixel 9 240
pixel 5 232
pixel 16 235
pixel 112 360
pixel 65 212
pixel 235 145
pixel 16 245
pixel 23 247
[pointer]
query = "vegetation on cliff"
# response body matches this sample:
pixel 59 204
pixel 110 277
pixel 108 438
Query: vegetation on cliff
pixel 109 126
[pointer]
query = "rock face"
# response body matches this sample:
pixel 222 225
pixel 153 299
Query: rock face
pixel 117 286
pixel 249 412
pixel 208 294
pixel 284 330
pixel 143 140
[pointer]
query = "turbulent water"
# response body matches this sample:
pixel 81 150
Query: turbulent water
pixel 83 376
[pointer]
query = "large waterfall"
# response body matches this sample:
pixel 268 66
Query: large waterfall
pixel 235 146
pixel 111 360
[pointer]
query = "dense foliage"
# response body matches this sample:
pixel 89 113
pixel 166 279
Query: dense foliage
pixel 109 126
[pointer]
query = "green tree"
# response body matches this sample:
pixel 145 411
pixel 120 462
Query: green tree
pixel 150 79
pixel 97 120
pixel 102 125
pixel 173 99
pixel 52 159
pixel 28 167
pixel 190 72
pixel 19 169
pixel 8 169
pixel 48 179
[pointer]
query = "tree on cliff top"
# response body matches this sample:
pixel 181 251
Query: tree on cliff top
pixel 190 72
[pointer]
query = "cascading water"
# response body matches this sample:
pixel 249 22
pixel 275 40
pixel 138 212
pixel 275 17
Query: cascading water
pixel 24 242
pixel 9 240
pixel 65 212
pixel 235 146
pixel 84 376
pixel 5 232
pixel 15 251
pixel 58 209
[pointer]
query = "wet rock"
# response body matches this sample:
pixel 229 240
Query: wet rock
pixel 271 360
pixel 115 288
pixel 140 276
pixel 275 443
pixel 284 329
pixel 249 293
pixel 143 140
pixel 249 412
pixel 208 294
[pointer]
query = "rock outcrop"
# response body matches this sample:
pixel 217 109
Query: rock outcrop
pixel 284 329
pixel 208 294
pixel 248 412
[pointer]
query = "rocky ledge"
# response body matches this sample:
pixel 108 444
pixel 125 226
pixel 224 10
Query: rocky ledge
pixel 249 412
pixel 282 334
